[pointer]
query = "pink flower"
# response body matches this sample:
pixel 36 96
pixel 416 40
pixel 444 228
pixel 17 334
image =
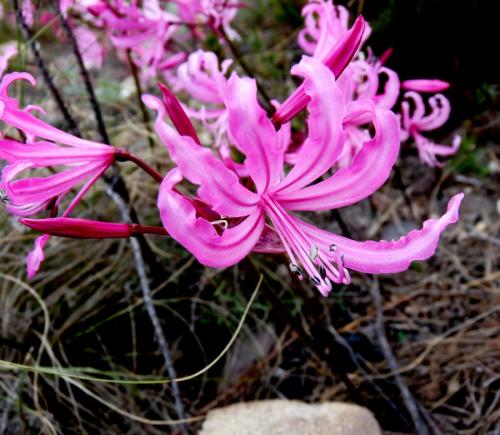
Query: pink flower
pixel 415 121
pixel 325 25
pixel 336 59
pixel 205 80
pixel 83 162
pixel 321 255
pixel 146 32
pixel 215 13
pixel 90 48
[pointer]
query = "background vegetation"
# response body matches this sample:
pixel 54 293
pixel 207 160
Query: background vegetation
pixel 85 312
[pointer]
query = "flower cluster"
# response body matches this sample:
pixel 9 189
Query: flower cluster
pixel 350 144
pixel 325 25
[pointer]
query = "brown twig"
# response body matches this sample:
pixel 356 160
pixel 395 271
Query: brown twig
pixel 239 58
pixel 408 399
pixel 138 92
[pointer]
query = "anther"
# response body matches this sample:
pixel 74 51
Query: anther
pixel 3 196
pixel 333 248
pixel 315 280
pixel 295 269
pixel 313 253
pixel 322 271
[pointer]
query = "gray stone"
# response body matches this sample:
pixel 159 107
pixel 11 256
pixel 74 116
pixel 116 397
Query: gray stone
pixel 290 417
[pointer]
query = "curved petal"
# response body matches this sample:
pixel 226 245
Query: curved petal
pixel 45 154
pixel 253 133
pixel 429 150
pixel 35 258
pixel 440 113
pixel 418 112
pixel 219 186
pixel 393 256
pixel 388 98
pixel 31 125
pixel 199 235
pixel 37 189
pixel 369 170
pixel 8 50
pixel 326 136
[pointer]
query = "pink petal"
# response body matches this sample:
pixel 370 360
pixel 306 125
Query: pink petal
pixel 425 85
pixel 388 98
pixel 202 77
pixel 31 125
pixel 199 235
pixel 253 133
pixel 37 189
pixel 440 112
pixel 89 46
pixel 369 170
pixel 219 186
pixel 44 154
pixel 412 115
pixel 35 258
pixel 337 60
pixel 393 256
pixel 8 51
pixel 177 114
pixel 429 150
pixel 325 133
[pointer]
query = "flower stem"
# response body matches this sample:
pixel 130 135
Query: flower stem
pixel 138 91
pixel 123 155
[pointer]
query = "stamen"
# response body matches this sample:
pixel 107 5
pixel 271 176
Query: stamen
pixel 3 196
pixel 332 248
pixel 322 271
pixel 221 222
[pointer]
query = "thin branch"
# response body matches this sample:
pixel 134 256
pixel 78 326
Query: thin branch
pixel 85 76
pixel 408 399
pixel 28 36
pixel 148 302
pixel 239 58
pixel 138 91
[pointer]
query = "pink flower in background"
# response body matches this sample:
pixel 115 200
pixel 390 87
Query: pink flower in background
pixel 81 162
pixel 414 120
pixel 90 48
pixel 362 81
pixel 147 32
pixel 318 254
pixel 205 80
pixel 214 13
pixel 325 25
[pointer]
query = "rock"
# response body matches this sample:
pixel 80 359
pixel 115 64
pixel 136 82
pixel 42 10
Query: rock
pixel 290 417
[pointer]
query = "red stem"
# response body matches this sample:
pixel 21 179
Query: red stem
pixel 123 155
